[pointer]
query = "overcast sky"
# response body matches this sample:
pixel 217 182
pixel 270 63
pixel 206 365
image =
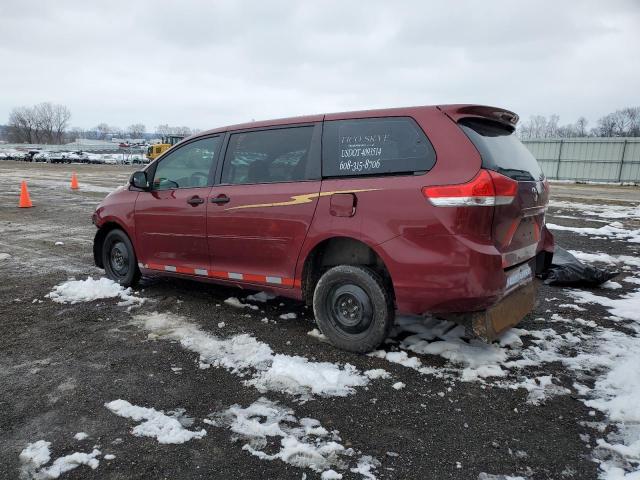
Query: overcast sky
pixel 211 63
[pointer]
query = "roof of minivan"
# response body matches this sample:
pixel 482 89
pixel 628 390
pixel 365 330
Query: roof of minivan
pixel 452 110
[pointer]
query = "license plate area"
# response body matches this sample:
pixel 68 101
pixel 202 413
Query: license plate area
pixel 518 276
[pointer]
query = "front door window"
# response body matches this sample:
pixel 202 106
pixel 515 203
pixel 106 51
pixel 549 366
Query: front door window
pixel 186 167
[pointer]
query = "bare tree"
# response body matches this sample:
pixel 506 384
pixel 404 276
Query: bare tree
pixel 539 126
pixel 181 130
pixel 607 126
pixel 43 114
pixel 22 125
pixel 621 123
pixel 136 130
pixel 581 127
pixel 632 121
pixel 163 130
pixel 535 127
pixel 75 133
pixel 60 122
pixel 102 130
pixel 42 123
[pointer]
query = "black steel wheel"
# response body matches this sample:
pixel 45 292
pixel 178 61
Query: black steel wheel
pixel 353 307
pixel 119 258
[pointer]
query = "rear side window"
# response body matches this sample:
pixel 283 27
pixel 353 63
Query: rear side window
pixel 268 156
pixel 501 150
pixel 375 146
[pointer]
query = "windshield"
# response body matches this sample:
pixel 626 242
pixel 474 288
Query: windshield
pixel 501 150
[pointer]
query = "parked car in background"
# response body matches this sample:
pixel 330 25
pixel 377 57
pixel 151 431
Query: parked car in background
pixel 75 157
pixel 13 154
pixel 361 214
pixel 41 156
pixel 57 157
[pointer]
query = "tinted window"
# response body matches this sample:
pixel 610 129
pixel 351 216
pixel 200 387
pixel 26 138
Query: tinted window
pixel 501 150
pixel 186 167
pixel 267 156
pixel 375 146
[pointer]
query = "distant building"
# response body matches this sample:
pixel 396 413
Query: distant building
pixel 90 142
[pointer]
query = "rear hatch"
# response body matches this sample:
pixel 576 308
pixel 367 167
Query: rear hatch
pixel 517 222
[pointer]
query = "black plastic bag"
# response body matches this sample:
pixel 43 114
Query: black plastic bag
pixel 566 269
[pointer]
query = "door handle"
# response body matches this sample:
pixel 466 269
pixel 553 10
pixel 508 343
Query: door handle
pixel 195 200
pixel 220 199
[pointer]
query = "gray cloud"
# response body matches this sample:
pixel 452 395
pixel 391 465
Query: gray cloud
pixel 206 64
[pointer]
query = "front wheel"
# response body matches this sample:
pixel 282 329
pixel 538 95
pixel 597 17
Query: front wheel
pixel 353 308
pixel 119 259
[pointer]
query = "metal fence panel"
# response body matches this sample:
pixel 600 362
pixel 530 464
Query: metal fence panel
pixel 588 159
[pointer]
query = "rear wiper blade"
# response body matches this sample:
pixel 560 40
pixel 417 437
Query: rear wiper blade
pixel 517 174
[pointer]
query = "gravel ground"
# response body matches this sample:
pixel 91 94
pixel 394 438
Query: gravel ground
pixel 60 363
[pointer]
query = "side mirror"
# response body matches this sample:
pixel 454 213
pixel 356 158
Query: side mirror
pixel 139 180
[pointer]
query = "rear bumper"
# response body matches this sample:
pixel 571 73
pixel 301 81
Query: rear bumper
pixel 442 274
pixel 489 324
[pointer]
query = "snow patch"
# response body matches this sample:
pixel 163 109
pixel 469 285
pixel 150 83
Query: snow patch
pixel 599 210
pixel 488 476
pixel 613 230
pixel 261 297
pixel 330 475
pixel 610 285
pixel 625 306
pixel 36 455
pixel 303 443
pixel 315 333
pixel 365 466
pixel 572 307
pixel 298 376
pixel 244 355
pixel 540 389
pixel 74 291
pixel 164 428
pixel 70 462
pixel 234 302
pixel 436 337
pixel 627 260
pixel 377 373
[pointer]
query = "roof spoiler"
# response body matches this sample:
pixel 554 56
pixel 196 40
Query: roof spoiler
pixel 500 115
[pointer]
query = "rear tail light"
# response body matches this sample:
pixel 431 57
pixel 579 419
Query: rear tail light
pixel 487 188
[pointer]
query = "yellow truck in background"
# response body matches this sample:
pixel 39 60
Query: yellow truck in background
pixel 168 141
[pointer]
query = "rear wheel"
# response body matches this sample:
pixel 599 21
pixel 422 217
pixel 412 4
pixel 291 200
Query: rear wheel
pixel 119 259
pixel 353 308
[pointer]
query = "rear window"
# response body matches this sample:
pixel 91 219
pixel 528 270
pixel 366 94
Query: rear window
pixel 501 150
pixel 375 146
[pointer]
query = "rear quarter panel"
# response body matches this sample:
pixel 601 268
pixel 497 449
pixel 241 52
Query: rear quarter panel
pixel 433 254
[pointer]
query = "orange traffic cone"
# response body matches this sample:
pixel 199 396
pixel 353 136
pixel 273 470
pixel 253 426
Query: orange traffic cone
pixel 25 200
pixel 74 181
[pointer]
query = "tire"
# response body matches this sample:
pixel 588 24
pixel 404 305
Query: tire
pixel 119 259
pixel 353 308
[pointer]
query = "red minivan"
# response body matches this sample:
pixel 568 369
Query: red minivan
pixel 435 209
